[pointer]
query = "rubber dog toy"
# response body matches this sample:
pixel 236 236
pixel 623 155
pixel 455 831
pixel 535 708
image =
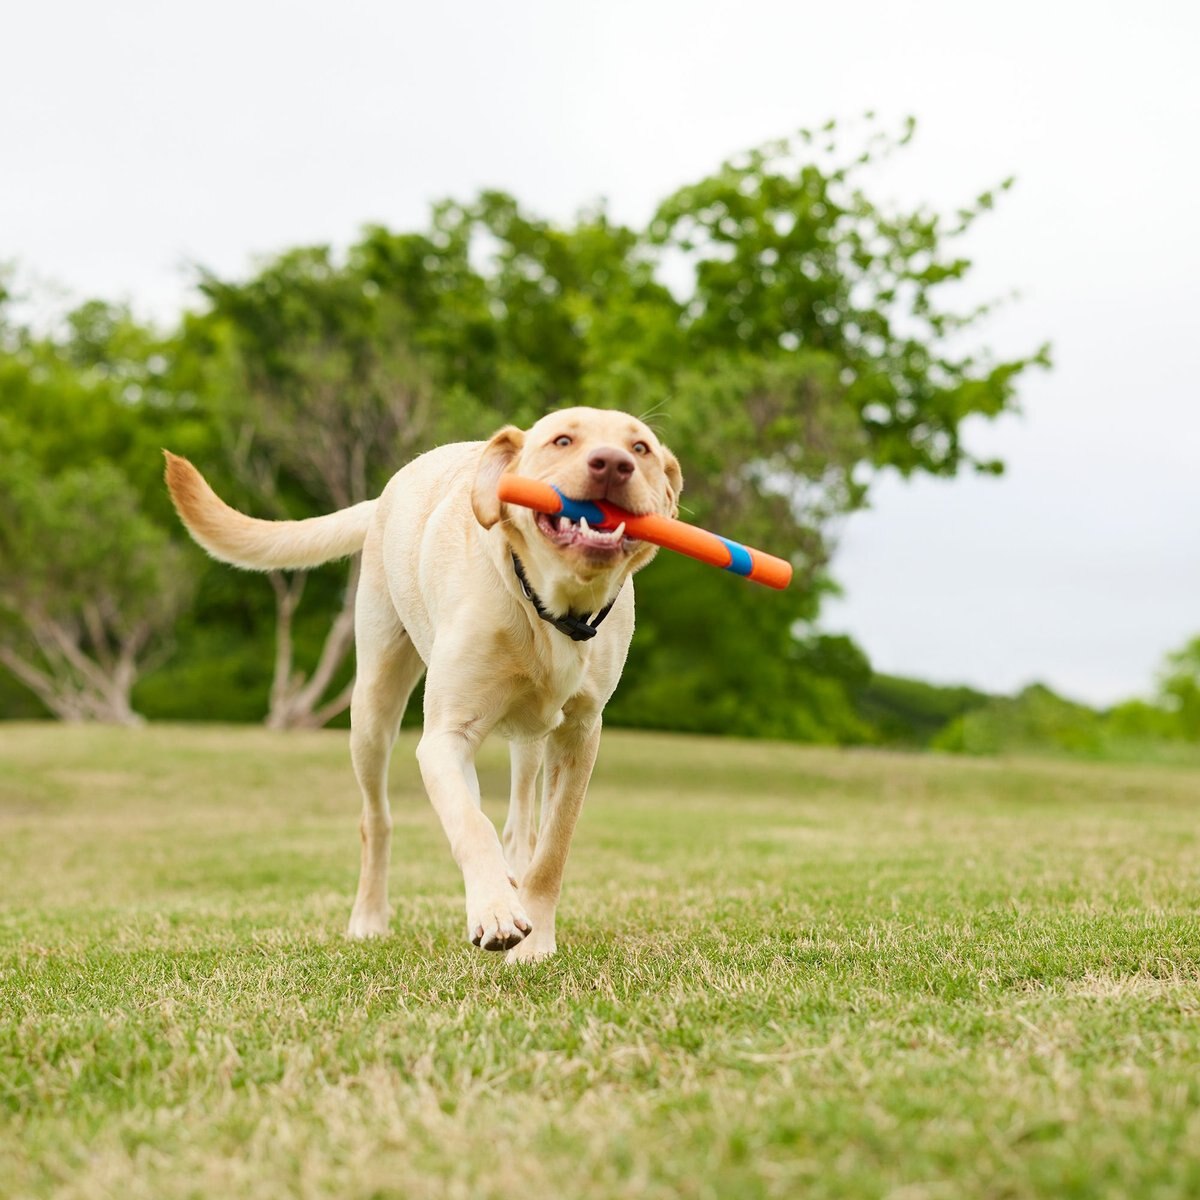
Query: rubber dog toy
pixel 650 527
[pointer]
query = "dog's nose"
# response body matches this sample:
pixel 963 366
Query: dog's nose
pixel 610 465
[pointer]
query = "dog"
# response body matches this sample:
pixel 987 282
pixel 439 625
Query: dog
pixel 521 622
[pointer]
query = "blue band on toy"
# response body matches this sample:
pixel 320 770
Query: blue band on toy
pixel 740 562
pixel 575 510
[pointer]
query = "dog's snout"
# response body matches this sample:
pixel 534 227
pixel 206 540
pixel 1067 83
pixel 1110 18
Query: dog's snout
pixel 610 465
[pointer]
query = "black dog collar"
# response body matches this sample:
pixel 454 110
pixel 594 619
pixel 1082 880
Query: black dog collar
pixel 576 626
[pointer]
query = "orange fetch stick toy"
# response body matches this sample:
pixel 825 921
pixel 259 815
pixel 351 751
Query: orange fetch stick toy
pixel 651 527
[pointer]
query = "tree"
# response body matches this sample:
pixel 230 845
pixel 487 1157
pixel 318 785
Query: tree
pixel 824 312
pixel 909 712
pixel 1179 688
pixel 89 580
pixel 88 586
pixel 320 395
pixel 1034 720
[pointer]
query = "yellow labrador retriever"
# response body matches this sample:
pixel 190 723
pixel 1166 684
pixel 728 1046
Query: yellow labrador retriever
pixel 522 621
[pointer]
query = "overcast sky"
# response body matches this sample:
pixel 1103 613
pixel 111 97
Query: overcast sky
pixel 141 137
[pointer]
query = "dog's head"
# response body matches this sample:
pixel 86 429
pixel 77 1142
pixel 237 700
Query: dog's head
pixel 588 454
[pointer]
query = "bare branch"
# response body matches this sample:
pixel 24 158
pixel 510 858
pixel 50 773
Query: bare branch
pixel 337 644
pixel 71 652
pixel 40 683
pixel 332 708
pixel 96 632
pixel 288 590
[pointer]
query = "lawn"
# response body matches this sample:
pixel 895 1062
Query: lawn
pixel 785 972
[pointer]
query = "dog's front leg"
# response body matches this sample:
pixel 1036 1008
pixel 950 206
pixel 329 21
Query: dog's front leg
pixel 570 756
pixel 495 918
pixel 520 829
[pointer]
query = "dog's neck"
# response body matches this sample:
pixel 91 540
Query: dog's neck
pixel 558 595
pixel 579 627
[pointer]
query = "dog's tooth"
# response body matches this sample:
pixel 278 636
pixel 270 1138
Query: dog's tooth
pixel 563 523
pixel 619 532
pixel 583 524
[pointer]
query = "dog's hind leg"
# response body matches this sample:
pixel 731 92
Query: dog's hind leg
pixel 520 829
pixel 388 670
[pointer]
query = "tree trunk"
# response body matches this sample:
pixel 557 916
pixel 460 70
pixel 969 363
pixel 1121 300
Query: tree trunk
pixel 297 701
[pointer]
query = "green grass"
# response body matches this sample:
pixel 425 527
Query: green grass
pixel 784 972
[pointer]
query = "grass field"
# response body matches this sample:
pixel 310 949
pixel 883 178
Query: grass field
pixel 784 972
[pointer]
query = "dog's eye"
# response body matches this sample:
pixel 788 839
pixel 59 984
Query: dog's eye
pixel 640 448
pixel 562 440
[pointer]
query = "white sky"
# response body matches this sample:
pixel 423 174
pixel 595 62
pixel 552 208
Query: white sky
pixel 139 137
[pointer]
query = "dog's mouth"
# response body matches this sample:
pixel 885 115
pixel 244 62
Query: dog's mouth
pixel 565 533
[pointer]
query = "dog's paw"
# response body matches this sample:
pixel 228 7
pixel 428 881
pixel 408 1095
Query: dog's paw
pixel 495 918
pixel 533 949
pixel 367 924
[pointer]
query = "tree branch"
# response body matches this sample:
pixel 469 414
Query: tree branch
pixel 288 590
pixel 333 707
pixel 94 624
pixel 337 643
pixel 71 652
pixel 44 686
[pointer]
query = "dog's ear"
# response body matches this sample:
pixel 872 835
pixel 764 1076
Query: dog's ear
pixel 674 480
pixel 499 455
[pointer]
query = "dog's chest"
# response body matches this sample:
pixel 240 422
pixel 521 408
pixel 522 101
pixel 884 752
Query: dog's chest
pixel 536 704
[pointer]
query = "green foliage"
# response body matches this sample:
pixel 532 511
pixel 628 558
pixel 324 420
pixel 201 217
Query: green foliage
pixel 85 410
pixel 769 683
pixel 578 315
pixel 1179 689
pixel 792 258
pixel 1038 722
pixel 317 390
pixel 912 713
pixel 1034 720
pixel 1140 720
pixel 80 537
pixel 89 584
pixel 813 349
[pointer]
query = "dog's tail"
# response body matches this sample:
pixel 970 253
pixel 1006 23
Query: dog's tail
pixel 232 537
